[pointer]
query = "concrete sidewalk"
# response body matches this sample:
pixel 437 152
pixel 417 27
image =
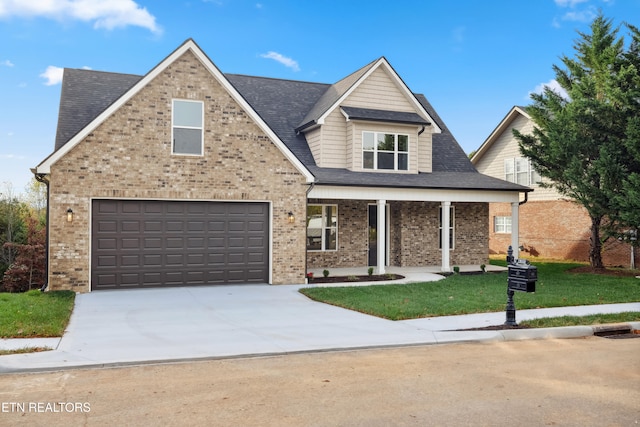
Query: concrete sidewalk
pixel 111 328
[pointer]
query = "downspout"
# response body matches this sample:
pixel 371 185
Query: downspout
pixel 43 179
pixel 526 198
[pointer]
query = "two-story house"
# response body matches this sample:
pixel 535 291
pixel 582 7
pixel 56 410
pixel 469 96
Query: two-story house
pixel 188 176
pixel 550 224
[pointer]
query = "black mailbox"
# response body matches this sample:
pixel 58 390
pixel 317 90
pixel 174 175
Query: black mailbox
pixel 522 276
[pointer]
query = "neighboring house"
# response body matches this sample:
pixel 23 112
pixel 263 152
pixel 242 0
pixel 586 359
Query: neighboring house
pixel 550 224
pixel 189 176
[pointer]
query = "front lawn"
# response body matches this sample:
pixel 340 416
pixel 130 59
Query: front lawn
pixel 35 314
pixel 462 294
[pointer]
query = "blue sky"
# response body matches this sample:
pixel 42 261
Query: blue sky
pixel 472 59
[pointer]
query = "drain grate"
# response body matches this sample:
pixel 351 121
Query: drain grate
pixel 621 336
pixel 621 331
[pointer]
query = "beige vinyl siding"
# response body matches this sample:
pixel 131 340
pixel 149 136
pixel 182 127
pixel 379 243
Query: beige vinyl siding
pixel 352 155
pixel 506 147
pixel 334 141
pixel 314 138
pixel 379 92
pixel 338 143
pixel 425 150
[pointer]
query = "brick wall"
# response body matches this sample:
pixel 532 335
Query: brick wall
pixel 557 229
pixel 413 235
pixel 353 237
pixel 129 156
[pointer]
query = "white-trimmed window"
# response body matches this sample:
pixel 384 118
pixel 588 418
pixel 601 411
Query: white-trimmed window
pixel 502 224
pixel 322 227
pixel 385 151
pixel 187 127
pixel 451 227
pixel 520 171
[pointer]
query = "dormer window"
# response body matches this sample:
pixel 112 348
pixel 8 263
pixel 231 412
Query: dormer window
pixel 385 151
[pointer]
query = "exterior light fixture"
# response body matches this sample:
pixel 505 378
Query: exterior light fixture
pixel 291 217
pixel 69 215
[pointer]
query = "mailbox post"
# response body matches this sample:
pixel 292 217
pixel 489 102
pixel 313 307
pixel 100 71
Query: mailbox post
pixel 521 277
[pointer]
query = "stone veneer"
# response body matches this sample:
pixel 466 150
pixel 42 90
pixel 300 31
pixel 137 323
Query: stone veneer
pixel 129 157
pixel 413 236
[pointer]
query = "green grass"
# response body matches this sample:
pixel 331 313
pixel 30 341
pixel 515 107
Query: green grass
pixel 24 350
pixel 594 319
pixel 462 294
pixel 35 314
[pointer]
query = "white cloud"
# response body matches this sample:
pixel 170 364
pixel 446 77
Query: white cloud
pixel 7 63
pixel 104 14
pixel 52 75
pixel 577 11
pixel 12 156
pixel 586 15
pixel 553 85
pixel 287 62
pixel 569 3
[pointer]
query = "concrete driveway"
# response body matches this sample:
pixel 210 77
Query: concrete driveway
pixel 153 325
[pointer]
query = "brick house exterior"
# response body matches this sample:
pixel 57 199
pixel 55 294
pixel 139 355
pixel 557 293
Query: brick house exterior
pixel 550 225
pixel 188 176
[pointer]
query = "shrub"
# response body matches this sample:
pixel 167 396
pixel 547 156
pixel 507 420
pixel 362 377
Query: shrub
pixel 370 271
pixel 325 273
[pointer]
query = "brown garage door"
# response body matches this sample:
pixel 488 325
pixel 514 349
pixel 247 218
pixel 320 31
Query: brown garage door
pixel 142 243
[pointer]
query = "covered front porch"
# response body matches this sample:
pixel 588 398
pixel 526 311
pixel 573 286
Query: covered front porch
pixel 432 229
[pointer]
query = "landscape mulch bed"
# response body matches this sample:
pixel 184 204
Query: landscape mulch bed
pixel 354 279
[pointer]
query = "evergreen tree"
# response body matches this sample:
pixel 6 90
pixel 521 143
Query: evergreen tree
pixel 581 142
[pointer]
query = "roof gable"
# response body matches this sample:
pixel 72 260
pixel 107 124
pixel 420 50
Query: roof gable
pixel 337 93
pixel 498 131
pixel 136 86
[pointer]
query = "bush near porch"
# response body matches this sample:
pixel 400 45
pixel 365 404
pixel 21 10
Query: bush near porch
pixel 557 286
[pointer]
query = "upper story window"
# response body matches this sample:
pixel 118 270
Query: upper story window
pixel 520 171
pixel 389 151
pixel 187 131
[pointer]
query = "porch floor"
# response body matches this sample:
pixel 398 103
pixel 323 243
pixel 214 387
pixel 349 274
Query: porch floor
pixel 411 274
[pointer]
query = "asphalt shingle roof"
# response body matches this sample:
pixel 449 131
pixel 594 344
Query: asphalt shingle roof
pixel 284 105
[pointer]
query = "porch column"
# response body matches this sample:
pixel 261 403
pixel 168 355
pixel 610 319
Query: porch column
pixel 515 232
pixel 382 235
pixel 444 242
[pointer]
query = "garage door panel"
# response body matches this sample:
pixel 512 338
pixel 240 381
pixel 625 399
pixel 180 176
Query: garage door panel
pixel 174 242
pixel 130 226
pixel 162 243
pixel 174 226
pixel 105 226
pixel 152 243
